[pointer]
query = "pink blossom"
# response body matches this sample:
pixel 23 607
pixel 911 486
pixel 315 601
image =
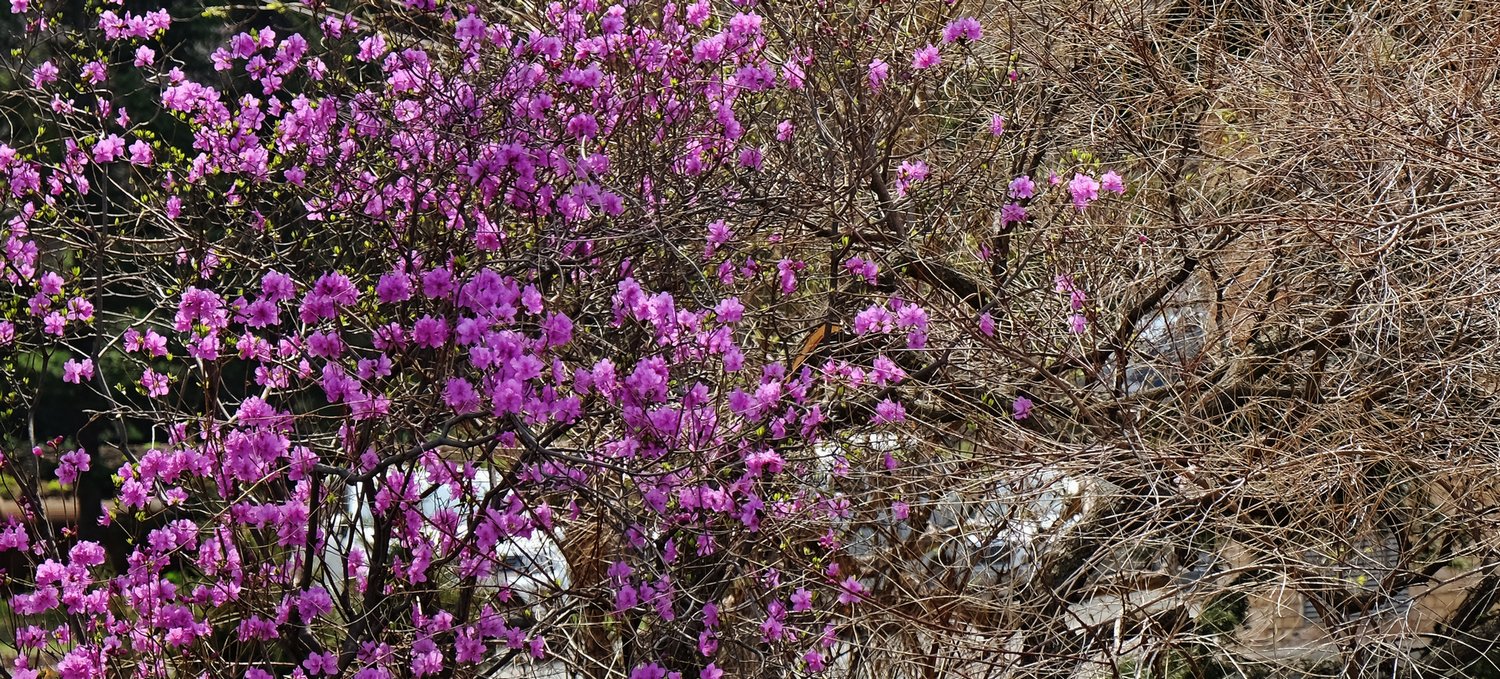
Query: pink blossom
pixel 729 310
pixel 393 287
pixel 50 283
pixel 1022 187
pixel 853 590
pixel 786 275
pixel 14 537
pixel 864 269
pixel 884 371
pixel 77 372
pixel 71 465
pixel 430 332
pixel 1112 182
pixel 926 58
pixel 54 324
pixel 751 158
pixel 322 663
pixel 82 662
pixel 1021 408
pixel 875 318
pixel 1012 213
pixel 698 12
pixel 109 149
pixel 911 316
pixel 718 234
pixel 140 153
pixel 962 28
pixel 745 25
pixel 155 384
pixel 461 396
pixel 651 671
pixel 426 659
pixel 910 173
pixel 438 283
pixel 710 49
pixel 583 126
pixel 879 71
pixel 801 600
pixel 1085 189
pixel 370 48
pixel 43 74
pixel 335 287
pixel 199 306
pixel 93 71
pixel 150 342
pixel 888 412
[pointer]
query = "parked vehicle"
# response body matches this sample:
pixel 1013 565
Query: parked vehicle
pixel 529 566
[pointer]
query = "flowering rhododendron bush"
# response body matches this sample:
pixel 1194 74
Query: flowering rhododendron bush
pixel 440 340
pixel 720 339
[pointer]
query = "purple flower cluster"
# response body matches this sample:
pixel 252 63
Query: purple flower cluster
pixel 489 337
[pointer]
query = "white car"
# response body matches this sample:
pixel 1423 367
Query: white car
pixel 531 567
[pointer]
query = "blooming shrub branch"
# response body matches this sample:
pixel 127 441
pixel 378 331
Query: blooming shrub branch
pixel 379 311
